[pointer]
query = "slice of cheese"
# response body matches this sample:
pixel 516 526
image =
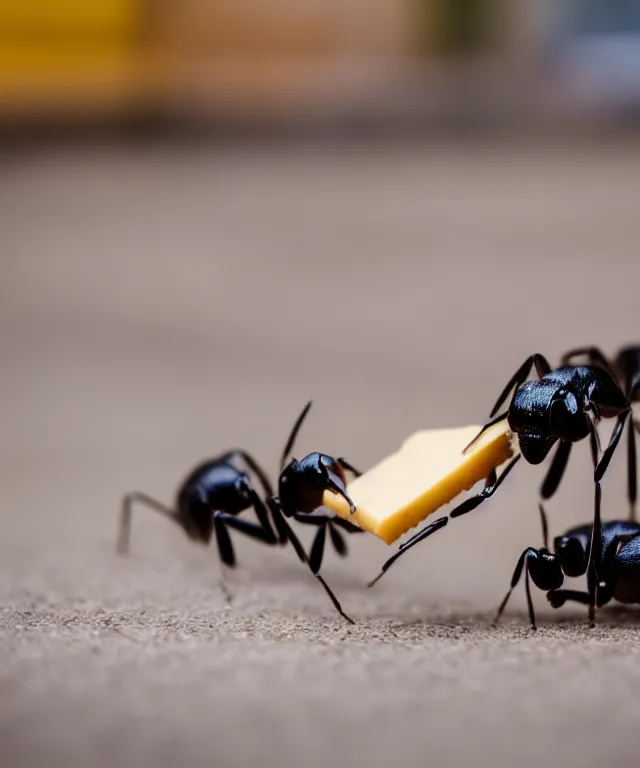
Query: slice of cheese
pixel 428 471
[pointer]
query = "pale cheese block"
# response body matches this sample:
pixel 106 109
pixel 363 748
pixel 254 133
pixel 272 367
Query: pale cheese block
pixel 428 471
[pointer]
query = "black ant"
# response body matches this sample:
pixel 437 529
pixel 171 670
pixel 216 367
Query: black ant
pixel 301 486
pixel 625 367
pixel 217 491
pixel 555 408
pixel 618 566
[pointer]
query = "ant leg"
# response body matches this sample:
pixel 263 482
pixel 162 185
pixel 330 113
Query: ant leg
pixel 490 423
pixel 595 549
pixel 326 522
pixel 595 556
pixel 124 534
pixel 310 519
pixel 337 539
pixel 594 356
pixel 317 549
pixel 488 491
pixel 294 434
pixel 223 585
pixel 223 540
pixel 346 525
pixel 349 467
pixel 545 527
pixel 261 531
pixel 613 443
pixel 278 524
pixel 226 552
pixel 558 597
pixel 519 377
pixel 222 522
pixel 299 550
pixel 532 614
pixel 632 469
pixel 262 513
pixel 282 531
pixel 517 573
pixel 253 530
pixel 418 537
pixel 594 442
pixel 556 470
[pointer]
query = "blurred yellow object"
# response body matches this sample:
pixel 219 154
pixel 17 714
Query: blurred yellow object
pixel 56 78
pixel 56 54
pixel 427 472
pixel 116 19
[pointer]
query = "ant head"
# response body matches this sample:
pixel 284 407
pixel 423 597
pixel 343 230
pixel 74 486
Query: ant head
pixel 568 420
pixel 535 447
pixel 302 483
pixel 287 485
pixel 571 554
pixel 545 570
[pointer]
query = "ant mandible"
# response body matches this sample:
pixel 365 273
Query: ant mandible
pixel 214 494
pixel 618 565
pixel 554 408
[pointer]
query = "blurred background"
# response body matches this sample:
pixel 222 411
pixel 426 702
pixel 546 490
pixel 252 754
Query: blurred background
pixel 260 60
pixel 214 210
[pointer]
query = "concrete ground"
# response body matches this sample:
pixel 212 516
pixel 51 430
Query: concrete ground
pixel 160 305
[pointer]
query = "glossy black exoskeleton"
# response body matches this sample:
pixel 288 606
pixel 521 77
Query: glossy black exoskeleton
pixel 211 498
pixel 214 495
pixel 301 486
pixel 626 368
pixel 618 565
pixel 560 406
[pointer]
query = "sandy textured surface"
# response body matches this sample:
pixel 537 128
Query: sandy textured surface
pixel 158 307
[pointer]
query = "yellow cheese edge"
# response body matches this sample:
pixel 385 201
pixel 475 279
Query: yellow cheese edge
pixel 474 466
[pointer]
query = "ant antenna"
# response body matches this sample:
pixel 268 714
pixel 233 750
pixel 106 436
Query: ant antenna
pixel 545 526
pixel 294 434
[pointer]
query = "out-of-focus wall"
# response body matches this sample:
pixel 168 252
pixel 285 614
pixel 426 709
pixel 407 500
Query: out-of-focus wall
pixel 111 53
pixel 104 54
pixel 263 56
